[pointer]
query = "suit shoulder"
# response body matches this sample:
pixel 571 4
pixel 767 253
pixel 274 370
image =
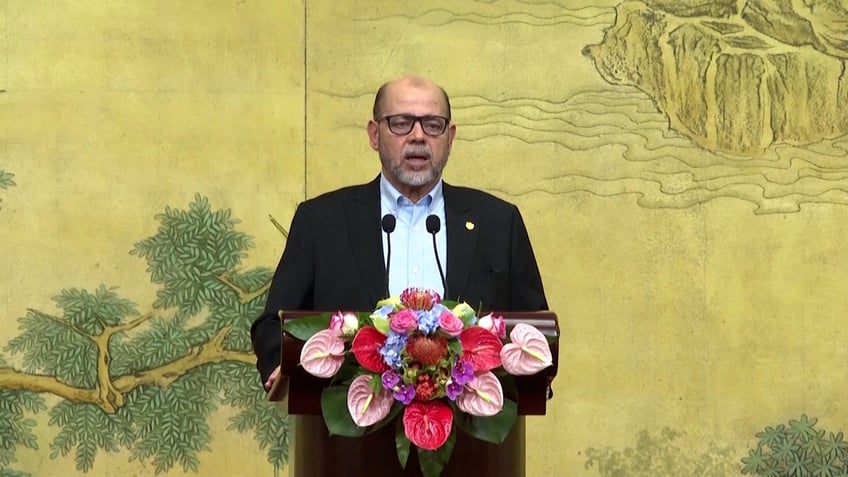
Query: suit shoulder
pixel 337 196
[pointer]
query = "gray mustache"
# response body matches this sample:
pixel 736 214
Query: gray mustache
pixel 417 151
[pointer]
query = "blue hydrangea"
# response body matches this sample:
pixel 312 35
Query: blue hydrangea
pixel 392 348
pixel 428 321
pixel 383 311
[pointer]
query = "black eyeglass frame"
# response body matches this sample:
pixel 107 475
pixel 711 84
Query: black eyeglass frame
pixel 415 119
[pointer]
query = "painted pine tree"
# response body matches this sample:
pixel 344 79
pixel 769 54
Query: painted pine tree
pixel 147 379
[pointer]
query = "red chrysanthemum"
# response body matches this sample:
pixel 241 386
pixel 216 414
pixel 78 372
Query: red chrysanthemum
pixel 427 424
pixel 427 350
pixel 481 349
pixel 366 348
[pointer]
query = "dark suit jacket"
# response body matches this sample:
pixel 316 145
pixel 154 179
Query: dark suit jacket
pixel 333 259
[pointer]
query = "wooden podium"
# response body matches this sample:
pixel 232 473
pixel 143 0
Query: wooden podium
pixel 317 454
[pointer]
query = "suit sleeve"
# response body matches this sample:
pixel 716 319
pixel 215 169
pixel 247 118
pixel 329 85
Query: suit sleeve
pixel 528 293
pixel 291 289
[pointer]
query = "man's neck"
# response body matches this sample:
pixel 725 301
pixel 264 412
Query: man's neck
pixel 415 193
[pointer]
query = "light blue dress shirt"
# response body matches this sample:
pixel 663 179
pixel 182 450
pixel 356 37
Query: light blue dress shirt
pixel 413 261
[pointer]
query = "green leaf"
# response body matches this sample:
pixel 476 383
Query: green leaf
pixel 396 409
pixel 349 370
pixel 432 462
pixel 7 179
pixel 336 415
pixel 304 328
pixel 12 473
pixel 401 443
pixel 510 387
pixel 492 429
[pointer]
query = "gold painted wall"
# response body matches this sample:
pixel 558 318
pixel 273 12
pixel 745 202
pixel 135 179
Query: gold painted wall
pixel 113 112
pixel 699 288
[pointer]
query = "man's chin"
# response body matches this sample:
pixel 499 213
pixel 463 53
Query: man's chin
pixel 417 180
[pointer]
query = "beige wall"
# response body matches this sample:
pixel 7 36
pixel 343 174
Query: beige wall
pixel 683 302
pixel 114 111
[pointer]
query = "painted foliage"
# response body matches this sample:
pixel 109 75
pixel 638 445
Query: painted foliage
pixel 146 378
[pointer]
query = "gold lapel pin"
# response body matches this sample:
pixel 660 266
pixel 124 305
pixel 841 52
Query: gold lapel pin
pixel 469 225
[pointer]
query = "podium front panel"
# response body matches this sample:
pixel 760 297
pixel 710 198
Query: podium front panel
pixel 316 454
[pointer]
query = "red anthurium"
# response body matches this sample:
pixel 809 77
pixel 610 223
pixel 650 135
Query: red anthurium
pixel 427 424
pixel 366 348
pixel 481 349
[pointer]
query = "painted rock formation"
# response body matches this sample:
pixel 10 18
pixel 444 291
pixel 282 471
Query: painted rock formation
pixel 732 82
pixel 821 24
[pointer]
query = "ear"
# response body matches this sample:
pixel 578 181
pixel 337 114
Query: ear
pixel 451 135
pixel 374 134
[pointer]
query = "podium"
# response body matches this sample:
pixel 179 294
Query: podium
pixel 317 454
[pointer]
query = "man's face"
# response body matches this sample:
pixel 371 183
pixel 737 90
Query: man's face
pixel 411 162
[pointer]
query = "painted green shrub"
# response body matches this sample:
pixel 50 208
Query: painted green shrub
pixel 7 179
pixel 798 450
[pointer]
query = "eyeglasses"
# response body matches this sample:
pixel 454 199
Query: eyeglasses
pixel 403 123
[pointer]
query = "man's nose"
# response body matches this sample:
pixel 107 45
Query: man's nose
pixel 417 131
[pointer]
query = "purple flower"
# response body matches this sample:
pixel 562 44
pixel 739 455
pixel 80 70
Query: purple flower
pixel 462 373
pixel 391 379
pixel 405 393
pixel 453 389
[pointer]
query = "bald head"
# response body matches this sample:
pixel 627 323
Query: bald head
pixel 408 82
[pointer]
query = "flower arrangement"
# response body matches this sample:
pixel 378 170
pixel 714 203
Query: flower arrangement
pixel 435 363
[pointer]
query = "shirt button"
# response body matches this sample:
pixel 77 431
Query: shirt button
pixel 414 269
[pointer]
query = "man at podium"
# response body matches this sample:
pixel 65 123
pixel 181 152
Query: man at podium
pixel 351 247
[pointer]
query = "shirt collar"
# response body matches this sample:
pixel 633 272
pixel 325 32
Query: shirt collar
pixel 390 197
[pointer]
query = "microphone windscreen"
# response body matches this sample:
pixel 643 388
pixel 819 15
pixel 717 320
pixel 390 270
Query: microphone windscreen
pixel 388 223
pixel 433 224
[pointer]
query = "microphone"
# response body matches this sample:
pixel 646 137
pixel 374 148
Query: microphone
pixel 388 224
pixel 433 227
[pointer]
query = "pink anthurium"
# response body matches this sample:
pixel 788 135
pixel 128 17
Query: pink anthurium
pixel 365 406
pixel 323 354
pixel 528 351
pixel 483 396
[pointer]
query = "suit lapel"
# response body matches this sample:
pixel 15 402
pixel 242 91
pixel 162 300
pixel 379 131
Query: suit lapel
pixel 461 219
pixel 363 219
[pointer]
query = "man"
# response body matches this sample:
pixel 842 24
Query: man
pixel 333 259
